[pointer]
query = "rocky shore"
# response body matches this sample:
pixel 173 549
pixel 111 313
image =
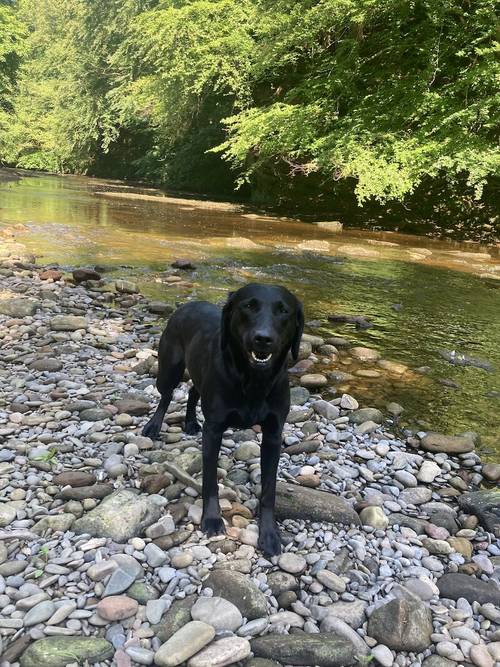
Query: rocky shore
pixel 392 552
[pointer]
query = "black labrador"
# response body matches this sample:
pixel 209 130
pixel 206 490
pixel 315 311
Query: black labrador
pixel 237 360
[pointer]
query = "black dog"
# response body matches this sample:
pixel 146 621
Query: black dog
pixel 237 362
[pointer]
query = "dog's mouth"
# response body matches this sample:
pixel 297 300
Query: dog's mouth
pixel 261 358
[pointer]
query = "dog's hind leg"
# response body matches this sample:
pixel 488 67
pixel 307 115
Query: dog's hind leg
pixel 192 425
pixel 170 373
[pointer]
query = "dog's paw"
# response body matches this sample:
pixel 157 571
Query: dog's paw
pixel 213 526
pixel 192 428
pixel 151 430
pixel 270 541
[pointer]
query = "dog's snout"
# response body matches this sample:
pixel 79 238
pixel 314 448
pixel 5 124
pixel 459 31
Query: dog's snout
pixel 263 339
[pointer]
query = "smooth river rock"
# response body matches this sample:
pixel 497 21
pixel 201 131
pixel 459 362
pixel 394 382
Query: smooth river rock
pixel 240 590
pixel 61 651
pixel 456 585
pixel 402 625
pixel 485 504
pixel 225 651
pixel 435 442
pixel 323 649
pixel 185 643
pixel 297 502
pixel 120 516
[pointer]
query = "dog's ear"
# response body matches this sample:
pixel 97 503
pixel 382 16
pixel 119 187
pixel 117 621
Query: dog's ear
pixel 299 328
pixel 225 325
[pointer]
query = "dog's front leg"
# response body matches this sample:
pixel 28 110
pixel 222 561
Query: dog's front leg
pixel 269 536
pixel 211 522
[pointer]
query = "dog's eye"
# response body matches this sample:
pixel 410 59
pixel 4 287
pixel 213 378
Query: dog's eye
pixel 282 309
pixel 251 305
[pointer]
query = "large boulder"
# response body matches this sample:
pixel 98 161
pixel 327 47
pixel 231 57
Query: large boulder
pixel 402 625
pixel 120 516
pixel 298 502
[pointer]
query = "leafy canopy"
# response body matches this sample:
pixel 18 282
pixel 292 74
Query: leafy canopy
pixel 378 93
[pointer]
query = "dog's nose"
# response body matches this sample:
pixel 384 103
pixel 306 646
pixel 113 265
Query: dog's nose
pixel 262 339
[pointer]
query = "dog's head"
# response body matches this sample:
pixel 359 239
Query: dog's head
pixel 262 323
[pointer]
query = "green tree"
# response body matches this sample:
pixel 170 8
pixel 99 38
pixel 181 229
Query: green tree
pixel 384 92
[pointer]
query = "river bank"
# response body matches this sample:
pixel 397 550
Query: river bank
pixel 392 537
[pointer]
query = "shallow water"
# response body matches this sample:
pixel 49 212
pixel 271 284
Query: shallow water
pixel 422 295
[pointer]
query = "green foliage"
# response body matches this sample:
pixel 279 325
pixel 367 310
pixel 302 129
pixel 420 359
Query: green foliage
pixel 383 92
pixel 378 96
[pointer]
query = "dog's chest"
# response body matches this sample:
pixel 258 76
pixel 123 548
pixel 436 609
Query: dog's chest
pixel 248 414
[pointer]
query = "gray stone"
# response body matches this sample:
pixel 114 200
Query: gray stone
pixel 292 563
pixel 120 516
pixel 61 651
pixel 8 514
pixel 68 323
pixel 322 650
pixel 240 590
pixel 46 364
pixel 416 496
pixel 383 655
pixel 225 651
pixel 365 415
pixel 154 555
pixel 485 504
pixel 326 409
pixel 438 661
pixel 94 414
pixel 298 502
pixel 341 629
pixel 185 643
pixel 140 655
pixel 331 581
pixel 374 516
pixel 61 522
pixel 352 613
pixel 299 395
pixel 220 613
pixel 18 307
pixel 119 581
pixel 176 617
pixel 40 613
pixel 456 585
pixel 402 625
pixel 435 442
pixel 279 582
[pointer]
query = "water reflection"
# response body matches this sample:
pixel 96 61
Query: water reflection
pixel 442 302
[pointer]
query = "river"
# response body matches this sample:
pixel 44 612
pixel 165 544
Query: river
pixel 423 296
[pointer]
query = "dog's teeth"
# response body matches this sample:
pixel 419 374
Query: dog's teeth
pixel 260 360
